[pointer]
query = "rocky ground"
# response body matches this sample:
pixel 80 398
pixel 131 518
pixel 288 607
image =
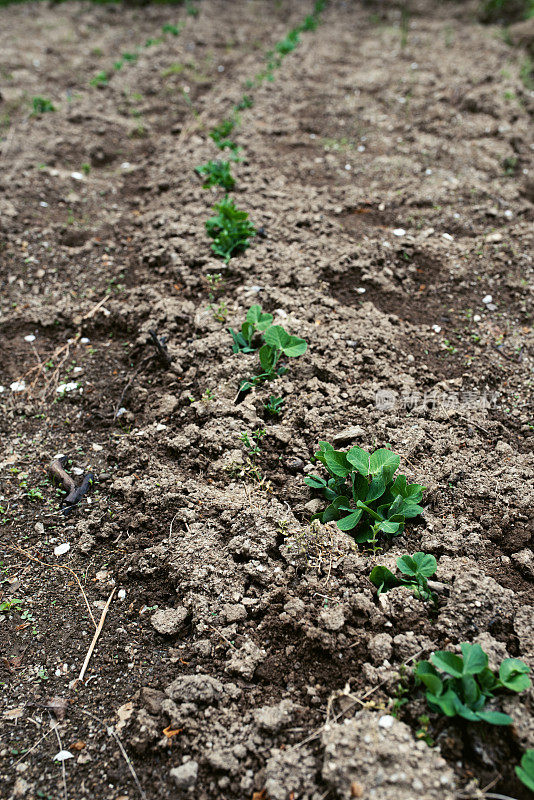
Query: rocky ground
pixel 245 653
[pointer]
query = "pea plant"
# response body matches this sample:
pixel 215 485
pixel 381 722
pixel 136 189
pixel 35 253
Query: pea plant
pixel 416 570
pixel 365 498
pixel 271 341
pixel 41 105
pixel 230 229
pixel 469 683
pixel 525 772
pixel 216 173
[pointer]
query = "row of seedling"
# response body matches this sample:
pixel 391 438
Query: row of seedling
pixel 230 228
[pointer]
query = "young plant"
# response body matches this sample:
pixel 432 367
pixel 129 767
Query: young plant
pixel 469 683
pixel 217 173
pixel 174 30
pixel 252 445
pixel 274 405
pixel 41 105
pixel 364 498
pixel 222 131
pixel 417 568
pixel 230 229
pixel 100 80
pixel 245 102
pixel 255 322
pixel 525 772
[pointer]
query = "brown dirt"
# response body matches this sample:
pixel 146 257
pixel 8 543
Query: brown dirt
pixel 89 266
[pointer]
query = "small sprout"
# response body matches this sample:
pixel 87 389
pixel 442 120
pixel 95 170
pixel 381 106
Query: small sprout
pixel 86 169
pixel 470 683
pixel 217 173
pixel 245 102
pixel 174 30
pixel 364 498
pixel 35 494
pixel 274 405
pixel 525 772
pixel 510 165
pixel 221 132
pixel 230 229
pixel 41 105
pixel 252 445
pixel 417 569
pixel 100 80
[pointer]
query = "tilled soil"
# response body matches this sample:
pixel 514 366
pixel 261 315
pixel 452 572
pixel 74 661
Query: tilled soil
pixel 245 653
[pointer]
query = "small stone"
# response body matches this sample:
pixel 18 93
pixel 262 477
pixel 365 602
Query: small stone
pixel 168 621
pixel 487 299
pixel 399 232
pixel 349 435
pixel 387 721
pixel 186 775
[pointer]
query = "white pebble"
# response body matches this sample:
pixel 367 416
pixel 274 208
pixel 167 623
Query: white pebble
pixel 508 214
pixel 428 172
pixel 399 232
pixel 348 167
pixel 63 755
pixel 360 290
pixel 125 165
pixel 477 318
pixel 448 237
pixel 29 338
pixel 386 721
pixel 487 299
pixel 61 549
pixel 43 204
pixel 361 148
pixel 97 447
pixel 77 176
pixel 66 387
pixel 17 386
pixel 436 328
pixel 121 594
pixel 84 340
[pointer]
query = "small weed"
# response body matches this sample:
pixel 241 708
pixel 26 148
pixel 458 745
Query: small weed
pixel 192 10
pixel 245 102
pixel 274 405
pixel 217 173
pixel 174 69
pixel 100 80
pixel 222 131
pixel 230 229
pixel 364 498
pixel 525 772
pixel 11 605
pixel 35 494
pixel 86 169
pixel 470 683
pixel 42 674
pixel 41 105
pixel 510 165
pixel 417 569
pixel 252 444
pixel 174 30
pixel 400 699
pixel 422 732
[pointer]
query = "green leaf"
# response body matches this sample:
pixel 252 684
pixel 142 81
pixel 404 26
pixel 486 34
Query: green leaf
pixel 446 702
pixel 315 482
pixel 494 717
pixel 383 458
pixel 448 662
pixel 267 357
pixel 389 527
pixel 350 521
pixel 474 658
pixel 377 487
pixel 470 689
pixel 513 674
pixel 359 459
pixel 418 564
pixel 336 462
pixel 359 485
pixel 487 681
pixel 382 577
pixel 257 318
pixel 410 511
pixel 525 772
pixel 280 339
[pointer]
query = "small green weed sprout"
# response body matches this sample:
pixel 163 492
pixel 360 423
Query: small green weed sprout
pixel 217 173
pixel 41 105
pixel 245 102
pixel 470 683
pixel 510 165
pixel 100 80
pixel 252 444
pixel 230 229
pixel 86 169
pixel 215 283
pixel 274 405
pixel 222 131
pixel 365 500
pixel 174 30
pixel 417 569
pixel 11 605
pixel 525 772
pixel 276 343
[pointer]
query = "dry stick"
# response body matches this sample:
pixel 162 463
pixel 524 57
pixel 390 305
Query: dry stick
pixel 109 730
pixel 170 529
pixel 95 637
pixel 56 566
pixel 63 771
pixel 357 700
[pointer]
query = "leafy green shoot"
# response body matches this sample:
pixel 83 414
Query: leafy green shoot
pixel 100 80
pixel 256 321
pixel 222 131
pixel 274 405
pixel 416 569
pixel 365 498
pixel 245 102
pixel 252 443
pixel 230 229
pixel 525 772
pixel 174 30
pixel 469 683
pixel 41 105
pixel 217 173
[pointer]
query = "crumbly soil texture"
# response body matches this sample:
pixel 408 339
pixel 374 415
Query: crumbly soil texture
pixel 245 653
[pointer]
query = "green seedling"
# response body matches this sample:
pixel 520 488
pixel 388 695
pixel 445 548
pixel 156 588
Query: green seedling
pixel 86 169
pixel 222 131
pixel 174 30
pixel 274 405
pixel 192 10
pixel 510 165
pixel 525 772
pixel 41 105
pixel 417 569
pixel 252 445
pixel 217 173
pixel 100 80
pixel 11 605
pixel 470 683
pixel 230 229
pixel 245 102
pixel 364 498
pixel 256 322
